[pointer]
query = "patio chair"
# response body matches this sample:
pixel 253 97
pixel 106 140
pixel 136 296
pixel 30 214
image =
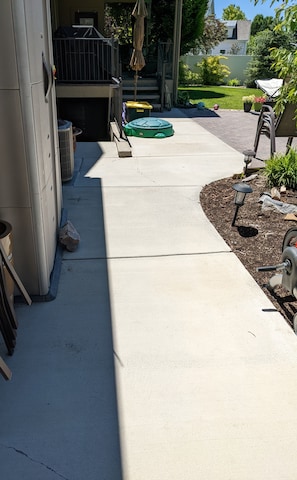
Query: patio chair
pixel 273 126
pixel 271 87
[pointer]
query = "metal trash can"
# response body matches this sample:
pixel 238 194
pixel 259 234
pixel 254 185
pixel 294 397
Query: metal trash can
pixel 66 149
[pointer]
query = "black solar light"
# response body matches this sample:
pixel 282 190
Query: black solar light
pixel 241 190
pixel 248 157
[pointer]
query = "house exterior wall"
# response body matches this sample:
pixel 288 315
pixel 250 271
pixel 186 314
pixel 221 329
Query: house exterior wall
pixel 30 183
pixel 225 47
pixel 238 33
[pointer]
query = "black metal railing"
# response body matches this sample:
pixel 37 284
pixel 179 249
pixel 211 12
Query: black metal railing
pixel 86 60
pixel 164 69
pixel 116 104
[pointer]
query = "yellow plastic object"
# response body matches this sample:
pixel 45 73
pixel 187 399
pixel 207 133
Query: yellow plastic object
pixel 138 110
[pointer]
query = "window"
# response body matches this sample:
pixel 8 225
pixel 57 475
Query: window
pixel 86 18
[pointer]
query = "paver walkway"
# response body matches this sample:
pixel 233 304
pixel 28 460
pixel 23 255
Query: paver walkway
pixel 234 127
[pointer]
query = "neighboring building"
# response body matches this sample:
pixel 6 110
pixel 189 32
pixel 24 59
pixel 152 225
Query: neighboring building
pixel 238 35
pixel 210 8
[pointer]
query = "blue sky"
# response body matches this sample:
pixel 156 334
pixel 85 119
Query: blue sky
pixel 247 7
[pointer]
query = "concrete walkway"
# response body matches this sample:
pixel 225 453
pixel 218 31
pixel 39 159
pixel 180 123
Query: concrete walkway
pixel 160 358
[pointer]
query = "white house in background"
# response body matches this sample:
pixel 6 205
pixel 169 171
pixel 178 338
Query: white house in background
pixel 210 8
pixel 238 35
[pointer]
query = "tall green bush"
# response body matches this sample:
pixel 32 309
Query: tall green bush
pixel 211 71
pixel 260 47
pixel 186 76
pixel 282 170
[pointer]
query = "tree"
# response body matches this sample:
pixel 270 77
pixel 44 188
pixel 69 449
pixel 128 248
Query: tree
pixel 117 22
pixel 262 63
pixel 192 23
pixel 214 32
pixel 234 49
pixel 261 23
pixel 233 12
pixel 285 56
pixel 162 22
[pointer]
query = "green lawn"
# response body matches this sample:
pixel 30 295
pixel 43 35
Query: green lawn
pixel 229 98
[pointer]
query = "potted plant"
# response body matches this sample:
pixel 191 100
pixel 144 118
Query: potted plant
pixel 258 102
pixel 248 101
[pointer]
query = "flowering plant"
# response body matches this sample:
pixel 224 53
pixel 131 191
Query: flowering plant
pixel 248 99
pixel 260 99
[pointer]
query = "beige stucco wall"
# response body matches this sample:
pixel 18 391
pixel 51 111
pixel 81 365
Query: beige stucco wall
pixel 236 63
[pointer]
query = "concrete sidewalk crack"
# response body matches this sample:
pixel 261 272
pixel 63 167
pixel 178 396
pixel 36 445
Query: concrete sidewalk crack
pixel 161 255
pixel 20 452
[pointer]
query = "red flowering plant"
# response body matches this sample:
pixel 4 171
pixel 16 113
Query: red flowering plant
pixel 261 99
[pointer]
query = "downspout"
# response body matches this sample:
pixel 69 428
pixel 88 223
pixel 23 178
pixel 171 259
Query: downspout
pixel 176 46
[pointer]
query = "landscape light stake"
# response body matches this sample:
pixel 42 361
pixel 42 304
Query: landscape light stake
pixel 241 190
pixel 248 157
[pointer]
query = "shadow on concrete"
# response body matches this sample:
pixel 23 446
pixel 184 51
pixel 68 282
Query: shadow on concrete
pixel 59 413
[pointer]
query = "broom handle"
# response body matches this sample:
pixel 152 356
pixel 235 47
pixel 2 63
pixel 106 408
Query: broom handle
pixel 14 275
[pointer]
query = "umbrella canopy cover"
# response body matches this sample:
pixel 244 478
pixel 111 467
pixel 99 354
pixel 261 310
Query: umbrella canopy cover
pixel 137 61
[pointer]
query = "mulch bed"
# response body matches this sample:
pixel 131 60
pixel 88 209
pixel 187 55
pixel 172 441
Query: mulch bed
pixel 257 236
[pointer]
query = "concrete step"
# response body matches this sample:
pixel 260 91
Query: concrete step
pixel 147 91
pixel 142 97
pixel 140 81
pixel 141 88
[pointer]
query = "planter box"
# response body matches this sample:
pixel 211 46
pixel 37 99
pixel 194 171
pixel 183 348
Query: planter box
pixel 247 107
pixel 257 106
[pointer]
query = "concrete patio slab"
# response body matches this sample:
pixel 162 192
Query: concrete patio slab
pixel 157 221
pixel 59 412
pixel 200 379
pixel 160 357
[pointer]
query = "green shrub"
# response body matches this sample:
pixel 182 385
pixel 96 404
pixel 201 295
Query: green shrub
pixel 282 170
pixel 186 76
pixel 233 82
pixel 211 71
pixel 183 98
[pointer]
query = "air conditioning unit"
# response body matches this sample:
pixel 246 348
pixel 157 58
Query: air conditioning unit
pixel 66 149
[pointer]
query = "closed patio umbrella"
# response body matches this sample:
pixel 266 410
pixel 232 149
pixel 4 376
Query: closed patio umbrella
pixel 137 61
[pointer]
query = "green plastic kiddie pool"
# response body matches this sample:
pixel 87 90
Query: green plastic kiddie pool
pixel 149 127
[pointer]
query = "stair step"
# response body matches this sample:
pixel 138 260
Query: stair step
pixel 142 81
pixel 140 88
pixel 141 97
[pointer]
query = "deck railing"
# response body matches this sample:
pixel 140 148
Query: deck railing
pixel 86 60
pixel 164 70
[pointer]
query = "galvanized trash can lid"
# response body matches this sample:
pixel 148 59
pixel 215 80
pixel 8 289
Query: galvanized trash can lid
pixel 149 127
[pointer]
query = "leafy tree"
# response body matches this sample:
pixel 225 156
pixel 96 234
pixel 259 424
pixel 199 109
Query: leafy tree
pixel 262 63
pixel 233 12
pixel 234 49
pixel 162 21
pixel 261 23
pixel 214 32
pixel 117 22
pixel 284 57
